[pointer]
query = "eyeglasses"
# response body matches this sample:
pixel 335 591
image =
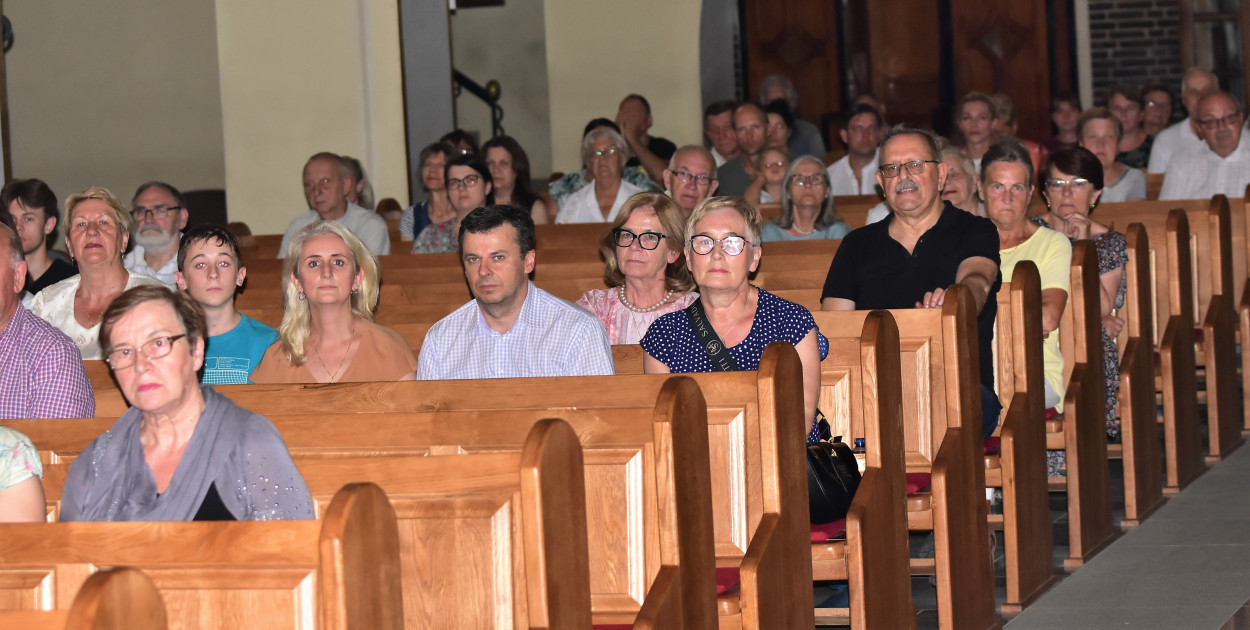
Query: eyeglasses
pixel 809 181
pixel 125 356
pixel 914 168
pixel 1231 120
pixel 731 245
pixel 159 212
pixel 685 176
pixel 468 182
pixel 1077 185
pixel 646 240
pixel 608 152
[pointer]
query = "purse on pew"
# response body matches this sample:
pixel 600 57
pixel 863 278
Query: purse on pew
pixel 832 472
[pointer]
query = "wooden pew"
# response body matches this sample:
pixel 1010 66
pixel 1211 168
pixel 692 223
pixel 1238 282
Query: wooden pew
pixel 340 572
pixel 111 599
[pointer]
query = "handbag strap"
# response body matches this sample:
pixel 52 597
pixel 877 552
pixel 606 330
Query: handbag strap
pixel 722 361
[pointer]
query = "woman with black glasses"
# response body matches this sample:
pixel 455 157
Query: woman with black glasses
pixel 644 266
pixel 722 251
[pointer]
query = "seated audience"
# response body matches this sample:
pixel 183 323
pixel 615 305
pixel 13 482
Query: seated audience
pixel 1065 111
pixel 1219 167
pixel 210 269
pixel 21 491
pixel 1158 98
pixel 780 125
pixel 573 182
pixel 1185 135
pixel 633 117
pixel 327 183
pixel 437 208
pixel 807 211
pixel 889 265
pixel 606 153
pixel 33 208
pixel 1099 132
pixel 330 285
pixel 160 215
pixel 511 328
pixel 182 452
pixel 460 141
pixel 1007 188
pixel 751 130
pixel 806 138
pixel 690 177
pixel 718 131
pixel 469 185
pixel 97 231
pixel 359 190
pixel 856 172
pixel 1072 188
pixel 1126 102
pixel 975 120
pixel 722 251
pixel 510 176
pixel 1006 126
pixel 645 266
pixel 41 372
pixel 767 186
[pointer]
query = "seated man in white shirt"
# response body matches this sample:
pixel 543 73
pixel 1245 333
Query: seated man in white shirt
pixel 511 328
pixel 160 214
pixel 327 183
pixel 856 172
pixel 1222 165
pixel 1185 135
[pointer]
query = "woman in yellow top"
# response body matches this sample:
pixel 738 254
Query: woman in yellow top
pixel 1007 187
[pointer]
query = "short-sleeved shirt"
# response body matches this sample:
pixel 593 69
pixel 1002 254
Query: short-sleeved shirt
pixel 672 341
pixel 230 357
pixel 1052 253
pixel 19 460
pixel 58 271
pixel 873 270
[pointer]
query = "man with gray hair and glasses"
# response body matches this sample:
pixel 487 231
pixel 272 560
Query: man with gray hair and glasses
pixel 1222 164
pixel 909 259
pixel 160 215
pixel 690 177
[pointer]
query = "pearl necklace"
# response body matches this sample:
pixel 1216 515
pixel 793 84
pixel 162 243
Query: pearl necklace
pixel 625 301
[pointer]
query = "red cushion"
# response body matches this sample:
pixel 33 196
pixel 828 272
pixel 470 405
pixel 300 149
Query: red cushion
pixel 821 533
pixel 993 445
pixel 1052 413
pixel 726 578
pixel 918 482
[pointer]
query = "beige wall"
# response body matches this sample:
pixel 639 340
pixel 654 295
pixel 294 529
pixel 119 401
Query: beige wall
pixel 115 94
pixel 506 44
pixel 598 51
pixel 298 79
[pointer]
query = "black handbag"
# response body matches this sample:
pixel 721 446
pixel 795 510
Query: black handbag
pixel 832 473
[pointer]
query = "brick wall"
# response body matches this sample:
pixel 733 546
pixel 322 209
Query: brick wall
pixel 1135 41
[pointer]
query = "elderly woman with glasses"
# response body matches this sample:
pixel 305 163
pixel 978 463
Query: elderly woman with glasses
pixel 806 206
pixel 645 266
pixel 605 153
pixel 469 186
pixel 722 251
pixel 183 452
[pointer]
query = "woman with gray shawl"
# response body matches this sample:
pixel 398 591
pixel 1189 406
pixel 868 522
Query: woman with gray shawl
pixel 182 452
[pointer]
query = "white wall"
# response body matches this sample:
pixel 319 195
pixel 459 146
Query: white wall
pixel 506 44
pixel 298 78
pixel 600 50
pixel 115 94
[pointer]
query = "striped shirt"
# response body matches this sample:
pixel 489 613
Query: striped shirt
pixel 41 372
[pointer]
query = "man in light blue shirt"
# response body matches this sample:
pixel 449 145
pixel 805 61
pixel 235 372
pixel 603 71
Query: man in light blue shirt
pixel 512 328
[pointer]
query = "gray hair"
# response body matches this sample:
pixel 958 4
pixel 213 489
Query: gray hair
pixel 774 80
pixel 16 255
pixel 828 215
pixel 903 129
pixel 1008 151
pixel 622 149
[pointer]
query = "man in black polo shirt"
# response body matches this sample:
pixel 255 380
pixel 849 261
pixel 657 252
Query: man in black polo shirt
pixel 926 245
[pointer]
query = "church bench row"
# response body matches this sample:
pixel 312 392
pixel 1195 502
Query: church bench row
pixel 111 599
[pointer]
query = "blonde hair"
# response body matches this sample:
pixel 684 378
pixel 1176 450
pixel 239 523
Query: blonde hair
pixel 296 316
pixel 676 275
pixel 749 213
pixel 100 194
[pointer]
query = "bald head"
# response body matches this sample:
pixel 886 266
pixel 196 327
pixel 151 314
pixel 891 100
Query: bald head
pixel 1219 121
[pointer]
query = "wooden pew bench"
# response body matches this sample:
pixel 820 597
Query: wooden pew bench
pixel 110 599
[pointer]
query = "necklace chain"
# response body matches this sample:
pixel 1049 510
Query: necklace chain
pixel 628 305
pixel 334 376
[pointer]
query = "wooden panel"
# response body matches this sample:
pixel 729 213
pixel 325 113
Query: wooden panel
pixel 797 39
pixel 905 77
pixel 1001 47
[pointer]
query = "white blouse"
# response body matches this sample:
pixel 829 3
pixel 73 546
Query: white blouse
pixel 583 207
pixel 56 305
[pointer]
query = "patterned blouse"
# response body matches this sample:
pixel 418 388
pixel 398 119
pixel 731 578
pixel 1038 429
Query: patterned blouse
pixel 19 460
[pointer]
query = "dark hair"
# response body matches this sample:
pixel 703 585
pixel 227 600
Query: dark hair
pixel 521 193
pixel 428 152
pixel 32 193
pixel 864 108
pixel 204 232
pixel 641 99
pixel 1068 97
pixel 173 192
pixel 1157 86
pixel 1009 151
pixel 718 108
pixel 1076 161
pixel 189 312
pixel 1128 91
pixel 600 122
pixel 457 137
pixel 489 217
pixel 930 138
pixel 977 97
pixel 475 162
pixel 781 108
